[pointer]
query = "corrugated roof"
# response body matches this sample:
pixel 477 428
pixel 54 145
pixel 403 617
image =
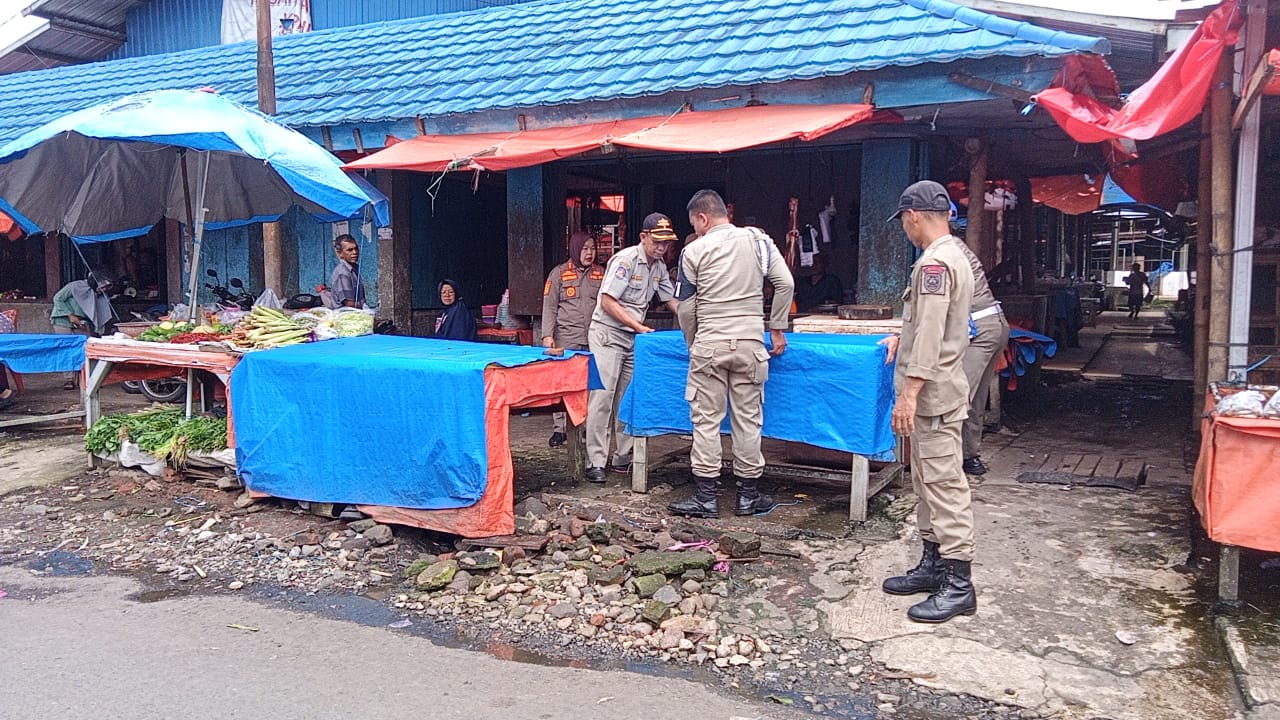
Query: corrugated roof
pixel 550 52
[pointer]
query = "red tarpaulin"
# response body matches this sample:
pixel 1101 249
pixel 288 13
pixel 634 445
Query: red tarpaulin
pixel 1170 99
pixel 707 131
pixel 1273 85
pixel 1071 194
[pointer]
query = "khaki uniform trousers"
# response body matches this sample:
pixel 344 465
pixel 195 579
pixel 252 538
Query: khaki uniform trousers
pixel 733 371
pixel 558 419
pixel 614 352
pixel 980 369
pixel 943 513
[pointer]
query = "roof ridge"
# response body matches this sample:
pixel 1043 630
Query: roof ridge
pixel 1018 29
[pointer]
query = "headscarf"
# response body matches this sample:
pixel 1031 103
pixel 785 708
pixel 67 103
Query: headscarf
pixel 577 241
pixel 96 306
pixel 455 322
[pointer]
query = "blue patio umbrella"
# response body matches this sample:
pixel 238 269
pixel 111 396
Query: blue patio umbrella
pixel 114 170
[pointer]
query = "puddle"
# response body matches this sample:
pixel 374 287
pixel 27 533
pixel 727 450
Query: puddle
pixel 61 563
pixel 150 596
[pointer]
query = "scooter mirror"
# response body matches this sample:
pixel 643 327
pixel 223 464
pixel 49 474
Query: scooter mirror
pixel 236 283
pixel 211 273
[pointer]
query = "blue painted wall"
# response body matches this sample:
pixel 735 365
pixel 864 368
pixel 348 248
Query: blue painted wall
pixel 884 253
pixel 165 26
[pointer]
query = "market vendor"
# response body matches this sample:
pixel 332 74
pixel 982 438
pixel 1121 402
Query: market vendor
pixel 82 307
pixel 819 288
pixel 345 283
pixel 568 299
pixel 455 321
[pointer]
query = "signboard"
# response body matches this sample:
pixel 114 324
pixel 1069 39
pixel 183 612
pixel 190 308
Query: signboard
pixel 240 19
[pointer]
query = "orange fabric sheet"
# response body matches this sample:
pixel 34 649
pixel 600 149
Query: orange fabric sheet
pixel 1237 481
pixel 535 385
pixel 702 131
pixel 138 360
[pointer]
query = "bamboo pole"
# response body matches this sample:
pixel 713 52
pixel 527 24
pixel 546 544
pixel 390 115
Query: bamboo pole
pixel 1222 210
pixel 272 256
pixel 976 234
pixel 1204 264
pixel 1027 235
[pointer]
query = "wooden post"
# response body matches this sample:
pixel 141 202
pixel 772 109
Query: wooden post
pixel 1222 210
pixel 272 266
pixel 1027 235
pixel 52 265
pixel 1246 198
pixel 1204 264
pixel 975 235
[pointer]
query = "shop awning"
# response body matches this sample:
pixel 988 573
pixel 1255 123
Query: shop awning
pixel 1170 99
pixel 712 131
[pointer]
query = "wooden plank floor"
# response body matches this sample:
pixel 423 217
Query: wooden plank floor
pixel 1088 469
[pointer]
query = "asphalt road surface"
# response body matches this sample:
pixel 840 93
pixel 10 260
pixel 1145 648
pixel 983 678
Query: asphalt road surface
pixel 81 647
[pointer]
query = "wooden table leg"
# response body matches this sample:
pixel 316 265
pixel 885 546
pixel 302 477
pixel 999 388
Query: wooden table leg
pixel 1229 575
pixel 98 372
pixel 640 465
pixel 577 446
pixel 859 479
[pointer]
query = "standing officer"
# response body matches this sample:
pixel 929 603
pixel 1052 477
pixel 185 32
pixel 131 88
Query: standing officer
pixel 721 292
pixel 634 275
pixel 989 334
pixel 568 299
pixel 932 403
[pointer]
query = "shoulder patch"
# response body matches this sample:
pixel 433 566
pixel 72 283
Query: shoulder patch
pixel 933 280
pixel 546 289
pixel 621 272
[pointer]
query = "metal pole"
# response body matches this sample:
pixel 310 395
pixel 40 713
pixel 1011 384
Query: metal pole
pixel 1222 210
pixel 1246 199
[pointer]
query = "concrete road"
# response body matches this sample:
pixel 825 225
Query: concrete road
pixel 80 648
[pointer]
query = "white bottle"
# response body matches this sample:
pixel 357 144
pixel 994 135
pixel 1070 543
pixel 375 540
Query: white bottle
pixel 504 310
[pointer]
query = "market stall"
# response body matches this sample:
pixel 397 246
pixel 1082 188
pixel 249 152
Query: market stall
pixel 27 353
pixel 1235 488
pixel 830 391
pixel 410 430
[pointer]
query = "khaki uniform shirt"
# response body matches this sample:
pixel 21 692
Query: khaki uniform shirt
pixel 726 269
pixel 982 297
pixel 632 279
pixel 568 299
pixel 935 328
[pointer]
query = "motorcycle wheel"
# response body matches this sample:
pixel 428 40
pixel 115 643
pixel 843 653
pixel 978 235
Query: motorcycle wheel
pixel 133 387
pixel 165 390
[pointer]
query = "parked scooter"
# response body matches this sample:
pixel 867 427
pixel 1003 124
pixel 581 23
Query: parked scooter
pixel 241 299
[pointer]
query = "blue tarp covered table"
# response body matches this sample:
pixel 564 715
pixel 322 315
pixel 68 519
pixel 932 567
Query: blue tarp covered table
pixel 25 353
pixel 832 391
pixel 394 422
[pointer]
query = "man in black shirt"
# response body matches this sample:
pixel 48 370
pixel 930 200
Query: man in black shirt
pixel 819 288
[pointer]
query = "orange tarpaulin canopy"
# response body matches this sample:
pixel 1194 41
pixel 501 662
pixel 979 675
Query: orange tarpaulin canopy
pixel 1170 99
pixel 707 131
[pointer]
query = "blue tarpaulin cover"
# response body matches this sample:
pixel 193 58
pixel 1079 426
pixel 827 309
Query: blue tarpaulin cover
pixel 832 391
pixel 373 420
pixel 25 353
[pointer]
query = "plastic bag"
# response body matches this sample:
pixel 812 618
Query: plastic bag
pixel 1272 408
pixel 352 322
pixel 1247 403
pixel 268 299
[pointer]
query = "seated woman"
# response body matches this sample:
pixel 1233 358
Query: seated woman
pixel 455 322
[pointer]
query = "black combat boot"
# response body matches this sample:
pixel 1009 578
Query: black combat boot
pixel 750 500
pixel 955 597
pixel 975 466
pixel 926 576
pixel 703 504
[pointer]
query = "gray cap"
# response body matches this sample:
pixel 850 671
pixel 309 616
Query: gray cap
pixel 925 196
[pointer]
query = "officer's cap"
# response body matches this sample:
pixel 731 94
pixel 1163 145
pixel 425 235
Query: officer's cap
pixel 659 227
pixel 924 196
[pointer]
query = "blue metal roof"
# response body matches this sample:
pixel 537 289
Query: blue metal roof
pixel 550 52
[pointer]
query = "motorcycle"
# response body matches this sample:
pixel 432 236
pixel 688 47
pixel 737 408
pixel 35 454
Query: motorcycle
pixel 241 299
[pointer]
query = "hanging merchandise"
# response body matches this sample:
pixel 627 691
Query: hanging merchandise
pixel 793 235
pixel 504 310
pixel 824 220
pixel 808 245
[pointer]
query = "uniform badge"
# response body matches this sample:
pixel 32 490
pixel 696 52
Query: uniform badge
pixel 597 275
pixel 933 280
pixel 620 273
pixel 546 289
pixel 571 292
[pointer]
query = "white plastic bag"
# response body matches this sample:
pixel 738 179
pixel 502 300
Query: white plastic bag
pixel 268 299
pixel 1246 403
pixel 1272 408
pixel 133 456
pixel 353 322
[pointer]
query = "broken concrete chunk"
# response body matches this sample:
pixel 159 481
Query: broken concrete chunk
pixel 740 544
pixel 612 575
pixel 668 595
pixel 482 560
pixel 655 611
pixel 647 585
pixel 438 575
pixel 652 562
